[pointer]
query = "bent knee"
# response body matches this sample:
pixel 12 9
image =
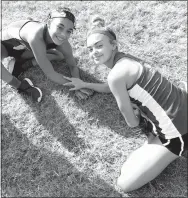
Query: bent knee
pixel 124 184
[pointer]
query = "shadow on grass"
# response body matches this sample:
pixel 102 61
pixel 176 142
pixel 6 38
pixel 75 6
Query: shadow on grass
pixel 29 170
pixel 101 107
pixel 50 114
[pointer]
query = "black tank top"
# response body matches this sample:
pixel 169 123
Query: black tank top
pixel 16 42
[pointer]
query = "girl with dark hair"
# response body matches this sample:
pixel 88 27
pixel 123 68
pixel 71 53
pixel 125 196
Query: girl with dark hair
pixel 32 42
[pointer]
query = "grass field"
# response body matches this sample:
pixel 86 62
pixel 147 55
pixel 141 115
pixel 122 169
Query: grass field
pixel 64 147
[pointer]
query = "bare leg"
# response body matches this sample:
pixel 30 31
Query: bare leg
pixel 144 164
pixel 5 75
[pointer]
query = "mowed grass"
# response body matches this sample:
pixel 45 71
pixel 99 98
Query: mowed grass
pixel 64 147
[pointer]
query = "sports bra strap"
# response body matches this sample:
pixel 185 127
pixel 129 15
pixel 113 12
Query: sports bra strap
pixel 50 45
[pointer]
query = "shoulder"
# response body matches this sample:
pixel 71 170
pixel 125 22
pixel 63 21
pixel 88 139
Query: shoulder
pixel 124 67
pixel 124 71
pixel 34 32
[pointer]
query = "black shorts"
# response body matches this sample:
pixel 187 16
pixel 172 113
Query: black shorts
pixel 9 45
pixel 178 145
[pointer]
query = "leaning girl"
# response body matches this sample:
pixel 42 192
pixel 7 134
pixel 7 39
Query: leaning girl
pixel 162 105
pixel 31 42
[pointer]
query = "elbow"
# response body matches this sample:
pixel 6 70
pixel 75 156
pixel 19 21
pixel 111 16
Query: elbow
pixel 51 76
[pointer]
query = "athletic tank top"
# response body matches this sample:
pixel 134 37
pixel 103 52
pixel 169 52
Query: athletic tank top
pixel 159 100
pixel 16 42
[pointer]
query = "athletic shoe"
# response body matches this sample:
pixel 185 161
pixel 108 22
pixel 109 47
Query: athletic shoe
pixel 28 88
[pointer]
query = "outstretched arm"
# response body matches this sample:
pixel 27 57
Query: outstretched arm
pixel 79 84
pixel 39 50
pixel 66 50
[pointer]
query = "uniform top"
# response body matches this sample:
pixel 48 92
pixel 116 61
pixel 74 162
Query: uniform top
pixel 159 100
pixel 12 34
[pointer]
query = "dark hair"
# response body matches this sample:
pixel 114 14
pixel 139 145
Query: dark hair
pixel 62 12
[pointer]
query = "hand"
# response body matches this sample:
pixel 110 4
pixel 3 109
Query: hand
pixel 80 95
pixel 76 82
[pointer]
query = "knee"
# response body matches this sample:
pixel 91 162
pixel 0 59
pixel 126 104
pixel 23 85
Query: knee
pixel 124 184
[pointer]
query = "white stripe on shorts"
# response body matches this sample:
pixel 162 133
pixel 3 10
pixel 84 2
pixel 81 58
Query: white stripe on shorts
pixel 165 123
pixel 182 145
pixel 167 143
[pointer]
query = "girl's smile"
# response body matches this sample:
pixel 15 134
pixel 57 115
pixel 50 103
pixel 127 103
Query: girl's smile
pixel 100 48
pixel 60 30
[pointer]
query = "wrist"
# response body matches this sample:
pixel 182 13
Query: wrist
pixel 85 84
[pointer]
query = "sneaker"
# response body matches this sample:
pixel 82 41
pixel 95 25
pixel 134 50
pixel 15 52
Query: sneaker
pixel 28 88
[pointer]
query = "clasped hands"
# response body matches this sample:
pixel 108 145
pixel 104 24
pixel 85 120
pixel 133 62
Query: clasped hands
pixel 78 86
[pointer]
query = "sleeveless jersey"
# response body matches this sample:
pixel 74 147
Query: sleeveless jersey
pixel 17 40
pixel 164 104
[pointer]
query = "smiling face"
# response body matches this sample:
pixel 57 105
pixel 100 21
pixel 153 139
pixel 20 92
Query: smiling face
pixel 60 30
pixel 100 48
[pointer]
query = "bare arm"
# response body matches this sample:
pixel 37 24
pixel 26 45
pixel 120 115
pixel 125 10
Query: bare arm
pixel 99 87
pixel 79 84
pixel 39 50
pixel 66 50
pixel 118 79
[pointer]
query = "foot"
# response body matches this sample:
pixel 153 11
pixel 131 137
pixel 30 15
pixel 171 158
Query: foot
pixel 28 88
